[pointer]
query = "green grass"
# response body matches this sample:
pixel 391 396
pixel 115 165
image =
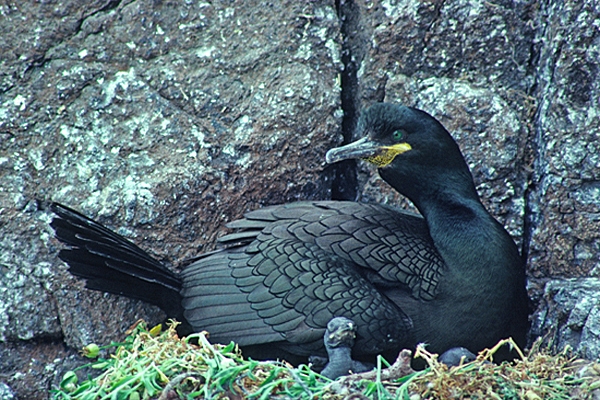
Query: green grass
pixel 149 363
pixel 155 364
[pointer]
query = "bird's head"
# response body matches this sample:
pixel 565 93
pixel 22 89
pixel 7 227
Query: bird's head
pixel 410 148
pixel 340 332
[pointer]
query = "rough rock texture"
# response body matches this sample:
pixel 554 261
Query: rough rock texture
pixel 563 232
pixel 565 195
pixel 569 315
pixel 163 120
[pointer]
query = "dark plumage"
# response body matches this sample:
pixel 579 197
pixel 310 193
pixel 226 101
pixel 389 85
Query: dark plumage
pixel 456 356
pixel 453 278
pixel 339 340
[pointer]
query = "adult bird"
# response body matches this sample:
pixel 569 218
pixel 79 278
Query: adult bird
pixel 452 277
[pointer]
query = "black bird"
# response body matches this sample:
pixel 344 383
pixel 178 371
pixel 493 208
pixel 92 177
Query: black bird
pixel 339 340
pixel 451 278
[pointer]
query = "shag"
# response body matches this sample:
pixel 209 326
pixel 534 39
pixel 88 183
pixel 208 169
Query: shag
pixel 339 340
pixel 451 277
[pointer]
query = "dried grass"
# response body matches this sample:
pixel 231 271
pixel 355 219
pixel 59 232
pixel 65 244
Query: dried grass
pixel 151 364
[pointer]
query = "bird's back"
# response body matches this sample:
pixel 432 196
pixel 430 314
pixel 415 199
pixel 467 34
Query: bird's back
pixel 287 270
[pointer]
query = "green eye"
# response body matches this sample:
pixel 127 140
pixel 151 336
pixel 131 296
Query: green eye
pixel 397 135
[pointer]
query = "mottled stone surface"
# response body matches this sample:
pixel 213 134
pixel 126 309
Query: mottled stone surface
pixel 32 368
pixel 6 392
pixel 569 315
pixel 565 200
pixel 164 120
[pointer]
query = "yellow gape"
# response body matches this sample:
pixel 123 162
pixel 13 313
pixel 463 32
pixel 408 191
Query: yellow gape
pixel 387 154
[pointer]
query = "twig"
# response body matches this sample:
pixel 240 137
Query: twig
pixel 401 367
pixel 176 381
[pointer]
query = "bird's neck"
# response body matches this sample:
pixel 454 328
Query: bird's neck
pixel 463 231
pixel 339 353
pixel 454 223
pixel 478 254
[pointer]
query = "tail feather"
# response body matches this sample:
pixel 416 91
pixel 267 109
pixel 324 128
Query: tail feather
pixel 110 263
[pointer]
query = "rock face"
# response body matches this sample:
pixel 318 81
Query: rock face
pixel 164 120
pixel 569 315
pixel 565 202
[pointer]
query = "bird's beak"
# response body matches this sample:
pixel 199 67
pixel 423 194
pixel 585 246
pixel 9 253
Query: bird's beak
pixel 368 150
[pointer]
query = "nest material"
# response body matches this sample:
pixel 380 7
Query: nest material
pixel 151 364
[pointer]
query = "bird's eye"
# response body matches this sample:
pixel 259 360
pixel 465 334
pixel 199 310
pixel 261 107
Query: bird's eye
pixel 398 135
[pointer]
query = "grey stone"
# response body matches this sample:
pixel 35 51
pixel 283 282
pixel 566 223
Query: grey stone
pixel 565 208
pixel 569 315
pixel 161 120
pixel 5 392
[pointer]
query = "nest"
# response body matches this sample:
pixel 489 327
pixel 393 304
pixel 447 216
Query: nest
pixel 157 364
